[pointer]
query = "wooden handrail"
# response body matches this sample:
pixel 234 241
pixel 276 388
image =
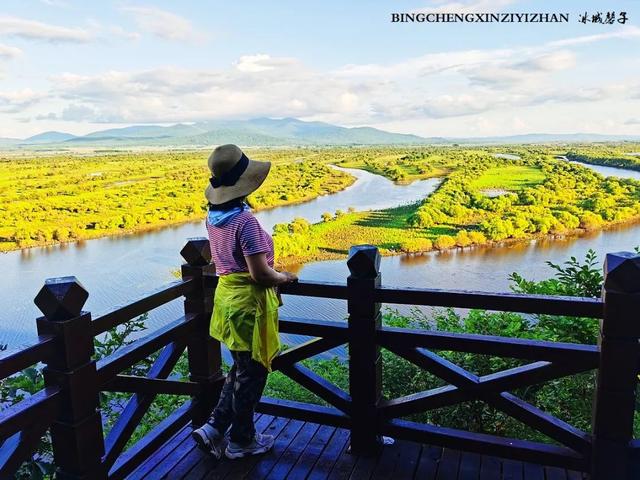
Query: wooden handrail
pixel 144 304
pixel 506 302
pixel 522 348
pixel 74 379
pixel 38 352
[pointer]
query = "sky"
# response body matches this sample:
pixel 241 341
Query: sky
pixel 79 66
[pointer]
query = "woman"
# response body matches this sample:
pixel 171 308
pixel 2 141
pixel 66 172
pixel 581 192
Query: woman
pixel 245 311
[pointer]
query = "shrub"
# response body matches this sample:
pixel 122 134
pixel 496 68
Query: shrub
pixel 444 241
pixel 463 239
pixel 414 245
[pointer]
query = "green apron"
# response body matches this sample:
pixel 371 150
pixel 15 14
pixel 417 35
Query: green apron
pixel 245 317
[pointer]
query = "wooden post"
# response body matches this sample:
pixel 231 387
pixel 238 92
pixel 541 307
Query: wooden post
pixel 76 434
pixel 204 352
pixel 365 362
pixel 614 401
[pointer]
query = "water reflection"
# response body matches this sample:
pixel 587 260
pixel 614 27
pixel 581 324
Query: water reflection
pixel 117 270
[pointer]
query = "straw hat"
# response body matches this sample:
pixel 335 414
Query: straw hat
pixel 233 174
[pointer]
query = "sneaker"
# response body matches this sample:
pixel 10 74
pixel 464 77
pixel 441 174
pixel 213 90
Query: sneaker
pixel 260 444
pixel 208 439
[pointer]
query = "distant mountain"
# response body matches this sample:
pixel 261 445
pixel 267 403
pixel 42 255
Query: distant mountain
pixel 255 132
pixel 273 132
pixel 550 138
pixel 146 131
pixel 48 137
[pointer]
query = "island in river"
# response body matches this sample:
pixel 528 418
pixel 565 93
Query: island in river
pixel 119 269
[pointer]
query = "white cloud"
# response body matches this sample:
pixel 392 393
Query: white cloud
pixel 262 63
pixel 7 51
pixel 33 30
pixel 118 31
pixel 472 6
pixel 628 32
pixel 18 100
pixel 164 24
pixel 459 85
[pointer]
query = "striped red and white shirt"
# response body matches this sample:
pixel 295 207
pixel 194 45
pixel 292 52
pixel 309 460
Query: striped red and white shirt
pixel 241 236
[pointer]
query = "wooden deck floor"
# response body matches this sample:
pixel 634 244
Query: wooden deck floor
pixel 310 451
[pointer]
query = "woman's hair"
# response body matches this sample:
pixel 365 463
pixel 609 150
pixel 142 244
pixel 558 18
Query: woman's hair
pixel 234 202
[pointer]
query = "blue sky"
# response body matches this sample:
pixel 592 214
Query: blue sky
pixel 81 66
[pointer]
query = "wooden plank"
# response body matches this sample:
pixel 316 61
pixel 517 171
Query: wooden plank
pixel 41 407
pixel 363 468
pixel 573 475
pixel 303 411
pixel 533 471
pixel 174 457
pixel 27 356
pixel 521 348
pixel 449 464
pixel 508 302
pixel 241 469
pixel 314 328
pixel 512 470
pixel 330 455
pixel 157 456
pixel 155 386
pixel 144 448
pixel 205 466
pixel 266 462
pixel 535 418
pixel 490 467
pixel 428 462
pixel 510 379
pixel 408 458
pixel 137 406
pixel 136 308
pixel 344 464
pixel 386 462
pixel 469 466
pixel 187 463
pixel 303 351
pixel 220 469
pixel 18 448
pixel 508 403
pixel 140 349
pixel 485 444
pixel 293 451
pixel 320 440
pixel 555 473
pixel 320 386
pixel 309 288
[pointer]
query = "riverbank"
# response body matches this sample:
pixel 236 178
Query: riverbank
pixel 63 199
pixel 341 248
pixel 542 199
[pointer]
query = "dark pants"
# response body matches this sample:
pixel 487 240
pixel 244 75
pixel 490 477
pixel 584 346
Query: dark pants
pixel 240 394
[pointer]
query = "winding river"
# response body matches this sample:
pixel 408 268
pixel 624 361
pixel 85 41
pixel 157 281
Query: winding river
pixel 116 270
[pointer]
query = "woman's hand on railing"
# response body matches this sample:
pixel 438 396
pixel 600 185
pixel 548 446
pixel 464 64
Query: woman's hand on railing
pixel 289 277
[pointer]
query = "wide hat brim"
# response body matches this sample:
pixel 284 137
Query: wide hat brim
pixel 249 181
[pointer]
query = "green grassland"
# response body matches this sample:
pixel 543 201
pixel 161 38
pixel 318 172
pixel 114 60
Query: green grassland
pixel 49 199
pixel 512 178
pixel 60 198
pixel 544 196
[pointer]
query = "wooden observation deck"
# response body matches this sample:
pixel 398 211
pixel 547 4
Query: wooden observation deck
pixel 341 439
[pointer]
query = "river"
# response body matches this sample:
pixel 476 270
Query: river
pixel 116 270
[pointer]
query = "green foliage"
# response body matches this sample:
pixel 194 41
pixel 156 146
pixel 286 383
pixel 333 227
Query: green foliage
pixel 69 197
pixel 568 398
pixel 17 387
pixel 415 245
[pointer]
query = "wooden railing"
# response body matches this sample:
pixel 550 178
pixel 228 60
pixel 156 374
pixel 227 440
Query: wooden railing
pixel 69 404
